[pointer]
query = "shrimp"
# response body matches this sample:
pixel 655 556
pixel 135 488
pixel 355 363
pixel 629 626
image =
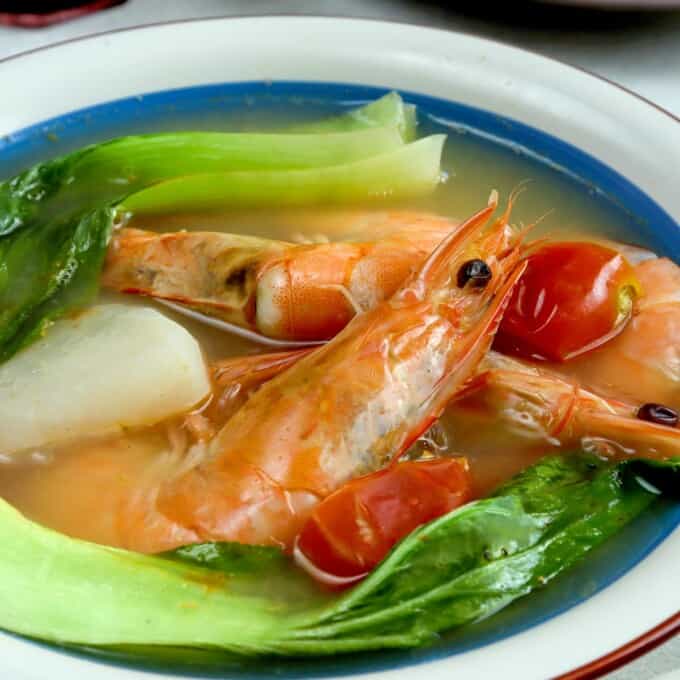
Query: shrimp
pixel 530 401
pixel 346 409
pixel 641 364
pixel 538 404
pixel 280 290
pixel 234 380
pixel 583 401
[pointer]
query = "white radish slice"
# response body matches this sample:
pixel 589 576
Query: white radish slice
pixel 114 366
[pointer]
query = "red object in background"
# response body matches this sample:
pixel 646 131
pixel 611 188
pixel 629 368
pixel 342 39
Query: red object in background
pixel 353 529
pixel 39 14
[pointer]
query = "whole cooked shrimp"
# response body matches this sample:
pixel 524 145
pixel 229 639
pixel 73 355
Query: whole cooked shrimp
pixel 594 401
pixel 345 409
pixel 280 290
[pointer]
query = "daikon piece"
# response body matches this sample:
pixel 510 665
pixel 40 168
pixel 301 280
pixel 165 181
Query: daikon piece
pixel 114 366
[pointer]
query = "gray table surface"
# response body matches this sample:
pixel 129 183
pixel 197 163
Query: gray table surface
pixel 640 51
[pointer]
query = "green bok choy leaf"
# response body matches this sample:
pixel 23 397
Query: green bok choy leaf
pixel 410 171
pixel 56 217
pixel 107 172
pixel 388 111
pixel 455 570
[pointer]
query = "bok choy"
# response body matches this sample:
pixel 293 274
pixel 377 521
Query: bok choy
pixel 56 218
pixel 453 571
pixel 411 171
pixel 388 111
pixel 108 172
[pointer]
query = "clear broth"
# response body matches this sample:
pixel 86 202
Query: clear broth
pixel 78 489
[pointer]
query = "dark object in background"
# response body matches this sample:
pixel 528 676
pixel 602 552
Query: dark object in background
pixel 30 14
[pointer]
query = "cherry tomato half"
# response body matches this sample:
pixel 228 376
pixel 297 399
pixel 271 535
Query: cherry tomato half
pixel 354 528
pixel 572 297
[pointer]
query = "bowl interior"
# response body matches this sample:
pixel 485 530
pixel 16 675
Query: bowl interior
pixel 233 106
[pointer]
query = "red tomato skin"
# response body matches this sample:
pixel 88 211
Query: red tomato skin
pixel 567 302
pixel 353 529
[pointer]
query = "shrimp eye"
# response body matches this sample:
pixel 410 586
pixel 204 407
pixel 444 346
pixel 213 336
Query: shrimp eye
pixel 659 414
pixel 477 271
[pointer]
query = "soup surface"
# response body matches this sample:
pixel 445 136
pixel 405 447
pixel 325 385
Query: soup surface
pixel 78 488
pixel 409 557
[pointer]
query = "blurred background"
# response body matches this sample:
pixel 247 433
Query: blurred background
pixel 635 43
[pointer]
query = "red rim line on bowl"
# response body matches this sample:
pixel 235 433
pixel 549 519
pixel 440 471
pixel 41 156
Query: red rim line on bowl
pixel 626 653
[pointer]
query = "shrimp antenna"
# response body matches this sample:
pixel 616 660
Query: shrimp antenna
pixel 540 219
pixel 493 198
pixel 519 189
pixel 525 229
pixel 238 330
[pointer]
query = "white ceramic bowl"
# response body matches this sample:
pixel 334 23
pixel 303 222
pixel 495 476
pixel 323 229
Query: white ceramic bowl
pixel 637 140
